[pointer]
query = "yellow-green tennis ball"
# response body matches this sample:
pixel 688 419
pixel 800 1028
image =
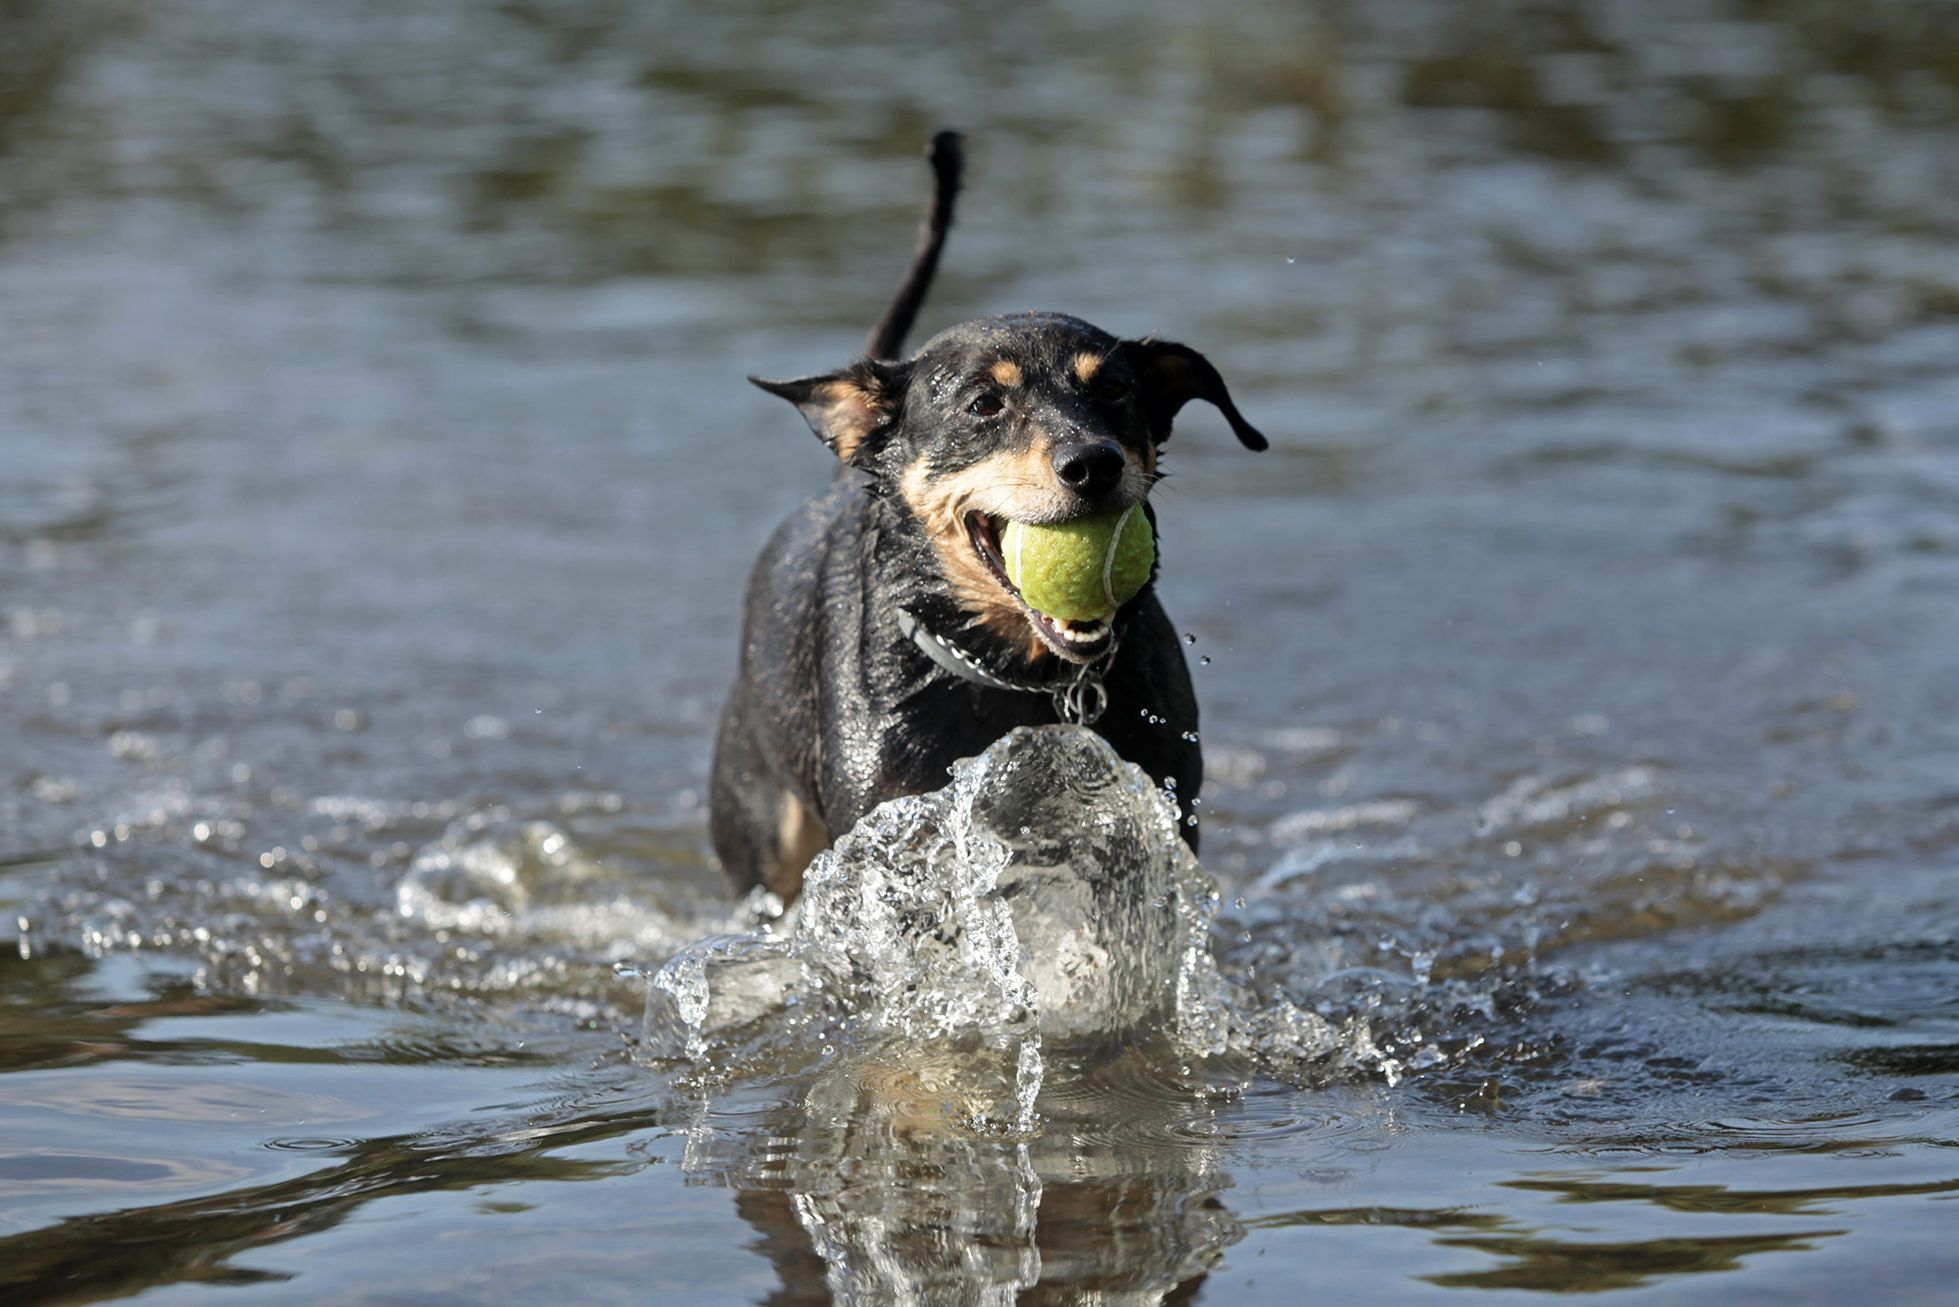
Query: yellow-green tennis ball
pixel 1081 570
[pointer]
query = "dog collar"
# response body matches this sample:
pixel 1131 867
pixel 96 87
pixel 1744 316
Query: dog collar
pixel 1081 698
pixel 960 663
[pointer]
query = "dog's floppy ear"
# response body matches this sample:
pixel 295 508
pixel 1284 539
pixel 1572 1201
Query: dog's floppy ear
pixel 850 408
pixel 1172 375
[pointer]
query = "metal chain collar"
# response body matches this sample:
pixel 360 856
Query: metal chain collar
pixel 1081 700
pixel 1084 699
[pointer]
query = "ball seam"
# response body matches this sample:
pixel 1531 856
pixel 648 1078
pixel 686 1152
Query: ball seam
pixel 1109 559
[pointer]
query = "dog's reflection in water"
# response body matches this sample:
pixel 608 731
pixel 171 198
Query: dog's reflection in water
pixel 876 1185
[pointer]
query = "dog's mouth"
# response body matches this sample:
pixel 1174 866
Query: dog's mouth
pixel 1077 642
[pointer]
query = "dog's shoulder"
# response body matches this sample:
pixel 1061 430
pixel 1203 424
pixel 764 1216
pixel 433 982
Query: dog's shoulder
pixel 791 597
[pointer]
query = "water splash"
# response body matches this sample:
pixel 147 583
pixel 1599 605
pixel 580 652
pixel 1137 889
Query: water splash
pixel 1043 893
pixel 394 902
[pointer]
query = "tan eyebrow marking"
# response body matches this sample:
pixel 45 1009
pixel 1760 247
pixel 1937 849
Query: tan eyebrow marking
pixel 1086 364
pixel 1007 373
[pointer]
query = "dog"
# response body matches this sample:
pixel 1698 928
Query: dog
pixel 881 638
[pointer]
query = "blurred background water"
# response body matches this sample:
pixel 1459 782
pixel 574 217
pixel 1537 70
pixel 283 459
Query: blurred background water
pixel 376 486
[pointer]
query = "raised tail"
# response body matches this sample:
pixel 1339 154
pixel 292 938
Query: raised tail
pixel 888 337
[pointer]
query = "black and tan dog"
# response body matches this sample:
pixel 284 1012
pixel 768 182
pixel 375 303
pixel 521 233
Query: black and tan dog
pixel 881 637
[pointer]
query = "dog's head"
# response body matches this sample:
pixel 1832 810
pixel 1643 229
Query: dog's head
pixel 1035 417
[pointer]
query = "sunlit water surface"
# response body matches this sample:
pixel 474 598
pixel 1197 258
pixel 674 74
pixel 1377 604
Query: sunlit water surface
pixel 1580 669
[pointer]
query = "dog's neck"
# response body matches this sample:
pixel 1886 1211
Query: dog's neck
pixel 964 665
pixel 930 616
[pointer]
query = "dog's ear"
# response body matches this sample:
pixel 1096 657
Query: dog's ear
pixel 1172 375
pixel 849 409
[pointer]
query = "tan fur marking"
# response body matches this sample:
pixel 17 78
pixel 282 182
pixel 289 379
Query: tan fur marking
pixel 1086 364
pixel 850 415
pixel 991 486
pixel 1007 373
pixel 799 838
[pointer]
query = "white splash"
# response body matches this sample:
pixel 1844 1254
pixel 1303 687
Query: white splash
pixel 1043 892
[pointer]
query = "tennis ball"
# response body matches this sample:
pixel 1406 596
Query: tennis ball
pixel 1084 569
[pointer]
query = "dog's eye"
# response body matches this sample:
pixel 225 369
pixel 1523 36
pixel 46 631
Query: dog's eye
pixel 988 405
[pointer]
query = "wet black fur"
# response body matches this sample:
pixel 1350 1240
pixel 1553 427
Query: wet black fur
pixel 833 704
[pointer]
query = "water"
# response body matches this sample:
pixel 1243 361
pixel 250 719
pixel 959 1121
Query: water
pixel 1045 893
pixel 376 484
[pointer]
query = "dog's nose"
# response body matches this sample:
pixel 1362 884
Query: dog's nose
pixel 1089 467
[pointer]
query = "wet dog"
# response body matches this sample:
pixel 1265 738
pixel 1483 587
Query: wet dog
pixel 881 637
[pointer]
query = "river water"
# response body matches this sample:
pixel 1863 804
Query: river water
pixel 1580 668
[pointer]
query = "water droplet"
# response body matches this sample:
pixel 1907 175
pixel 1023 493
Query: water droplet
pixel 1205 660
pixel 1189 638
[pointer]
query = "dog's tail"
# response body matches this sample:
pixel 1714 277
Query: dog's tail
pixel 888 337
